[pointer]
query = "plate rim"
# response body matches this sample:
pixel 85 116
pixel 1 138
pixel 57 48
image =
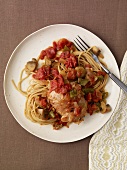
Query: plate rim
pixel 4 83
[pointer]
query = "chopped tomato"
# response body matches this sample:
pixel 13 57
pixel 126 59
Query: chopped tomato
pixel 92 79
pixel 71 62
pixel 43 102
pixel 60 80
pixel 62 90
pixel 70 44
pixel 42 54
pixel 54 72
pixel 68 87
pixel 96 96
pixel 57 116
pixel 90 76
pixel 87 66
pixel 53 85
pixel 50 52
pixel 58 85
pixel 89 109
pixel 61 43
pixel 72 47
pixel 55 45
pixel 42 73
pixel 77 111
pixel 92 108
pixel 89 97
pixel 99 73
pixel 71 74
pixel 65 55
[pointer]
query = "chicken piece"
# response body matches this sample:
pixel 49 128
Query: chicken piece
pixel 58 101
pixel 65 107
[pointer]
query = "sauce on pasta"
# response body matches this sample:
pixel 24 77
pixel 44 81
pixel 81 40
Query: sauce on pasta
pixel 67 85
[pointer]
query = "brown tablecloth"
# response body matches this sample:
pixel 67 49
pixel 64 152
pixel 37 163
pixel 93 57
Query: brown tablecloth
pixel 19 150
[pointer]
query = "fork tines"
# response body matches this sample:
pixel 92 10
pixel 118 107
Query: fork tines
pixel 81 44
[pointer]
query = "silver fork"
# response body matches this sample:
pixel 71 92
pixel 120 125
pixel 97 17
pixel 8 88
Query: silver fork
pixel 82 45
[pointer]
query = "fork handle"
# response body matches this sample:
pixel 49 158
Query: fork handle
pixel 118 81
pixel 115 79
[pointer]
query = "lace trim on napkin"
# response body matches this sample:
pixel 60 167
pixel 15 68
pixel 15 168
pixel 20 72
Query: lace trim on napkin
pixel 108 147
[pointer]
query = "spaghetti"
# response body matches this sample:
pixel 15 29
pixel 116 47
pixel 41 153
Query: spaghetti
pixel 66 86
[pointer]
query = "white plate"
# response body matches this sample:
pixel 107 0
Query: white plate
pixel 30 47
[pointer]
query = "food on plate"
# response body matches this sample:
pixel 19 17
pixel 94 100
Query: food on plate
pixel 65 85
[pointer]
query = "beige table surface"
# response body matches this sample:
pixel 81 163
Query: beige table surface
pixel 19 150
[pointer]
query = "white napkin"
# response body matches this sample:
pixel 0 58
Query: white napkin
pixel 108 147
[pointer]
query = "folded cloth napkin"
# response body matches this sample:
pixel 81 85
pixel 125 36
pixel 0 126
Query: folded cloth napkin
pixel 108 147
